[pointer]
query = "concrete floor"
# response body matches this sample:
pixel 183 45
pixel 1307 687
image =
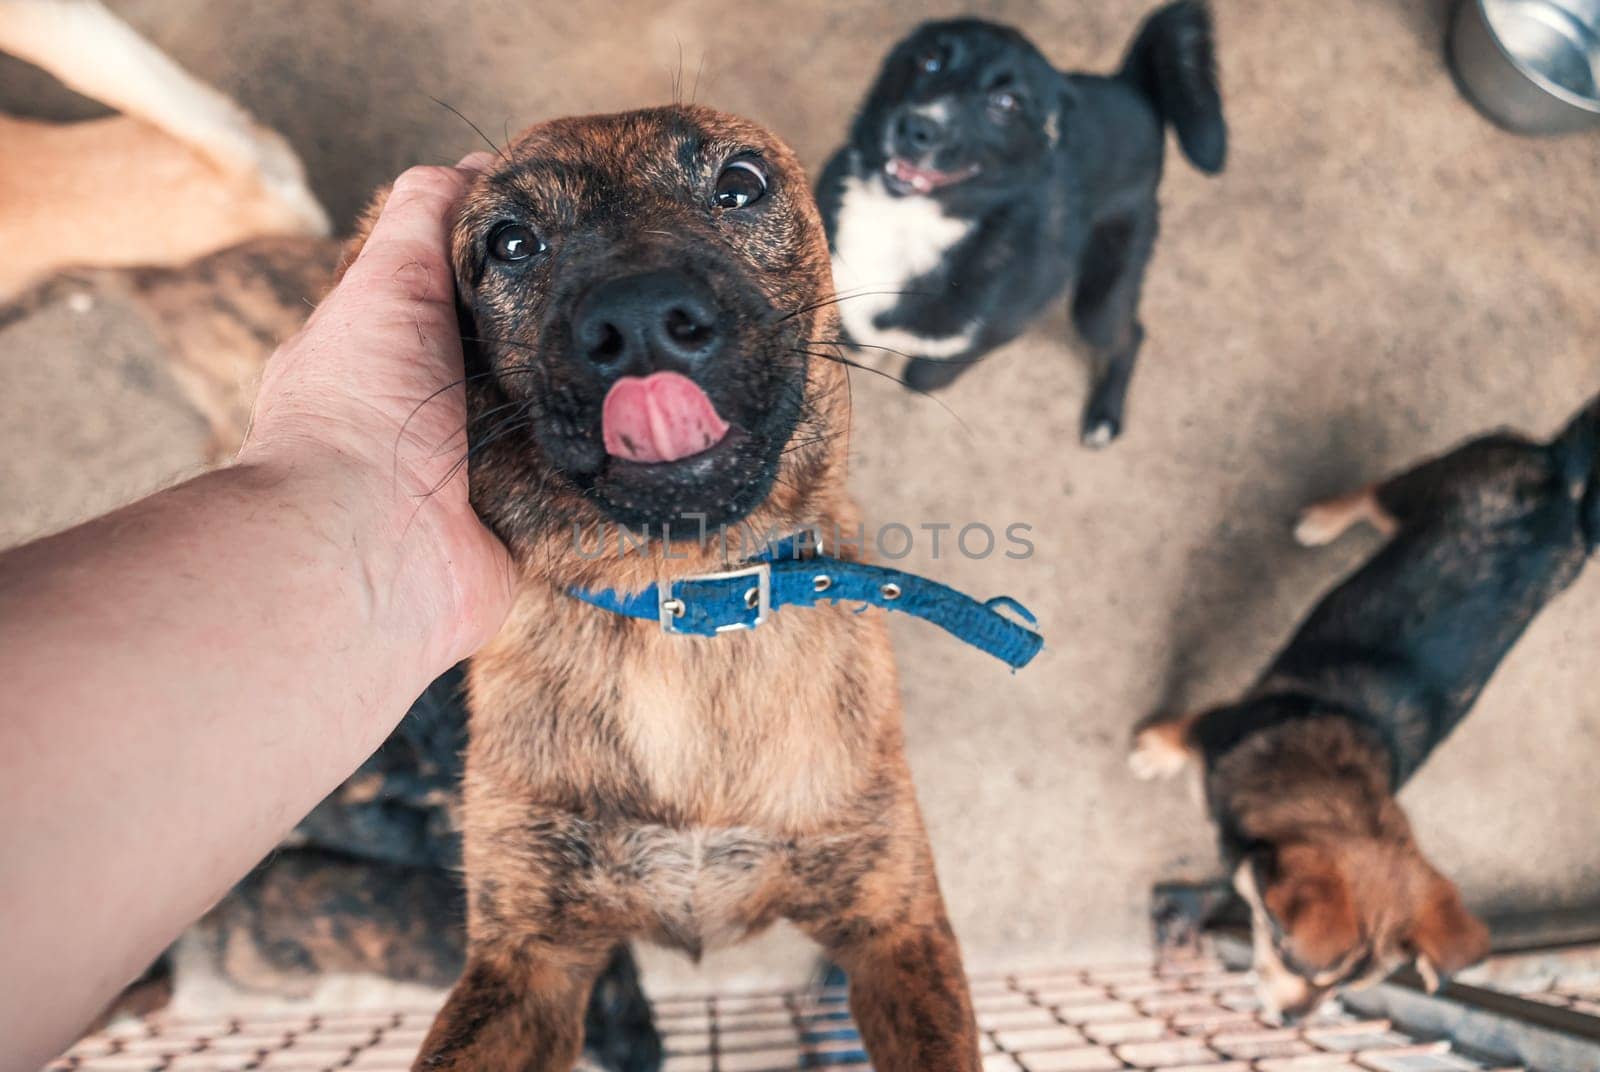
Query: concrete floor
pixel 1379 273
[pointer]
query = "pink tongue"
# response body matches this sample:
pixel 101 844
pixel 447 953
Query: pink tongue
pixel 659 418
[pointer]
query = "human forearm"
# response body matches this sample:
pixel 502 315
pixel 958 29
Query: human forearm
pixel 218 658
pixel 182 680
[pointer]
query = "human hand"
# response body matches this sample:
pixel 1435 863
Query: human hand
pixel 367 403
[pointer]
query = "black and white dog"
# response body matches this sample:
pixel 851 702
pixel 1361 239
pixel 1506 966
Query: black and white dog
pixel 980 182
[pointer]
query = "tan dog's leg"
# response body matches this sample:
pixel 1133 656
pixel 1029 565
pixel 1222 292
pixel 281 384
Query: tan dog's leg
pixel 515 1007
pixel 910 999
pixel 908 991
pixel 1323 522
pixel 88 48
pixel 1162 749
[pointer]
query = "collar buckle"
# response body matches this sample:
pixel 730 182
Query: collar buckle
pixel 757 597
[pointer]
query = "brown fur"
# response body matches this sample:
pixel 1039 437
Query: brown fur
pixel 1347 890
pixel 1340 892
pixel 304 914
pixel 622 781
pixel 195 212
pixel 156 200
pixel 182 172
pixel 219 318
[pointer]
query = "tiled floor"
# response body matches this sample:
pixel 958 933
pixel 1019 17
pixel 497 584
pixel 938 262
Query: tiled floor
pixel 1190 1016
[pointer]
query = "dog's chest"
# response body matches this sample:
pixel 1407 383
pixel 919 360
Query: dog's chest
pixel 881 244
pixel 766 746
pixel 702 887
pixel 705 766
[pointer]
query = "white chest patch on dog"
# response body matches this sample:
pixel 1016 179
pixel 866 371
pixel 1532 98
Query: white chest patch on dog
pixel 882 243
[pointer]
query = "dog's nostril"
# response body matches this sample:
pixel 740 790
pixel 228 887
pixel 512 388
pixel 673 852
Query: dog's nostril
pixel 919 131
pixel 635 324
pixel 610 344
pixel 684 328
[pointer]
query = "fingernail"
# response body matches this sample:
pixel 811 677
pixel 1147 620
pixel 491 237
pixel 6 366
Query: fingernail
pixel 478 161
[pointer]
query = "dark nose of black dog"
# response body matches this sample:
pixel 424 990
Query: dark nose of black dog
pixel 917 133
pixel 638 324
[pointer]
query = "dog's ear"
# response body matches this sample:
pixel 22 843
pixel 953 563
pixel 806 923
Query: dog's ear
pixel 363 228
pixel 1310 899
pixel 1445 937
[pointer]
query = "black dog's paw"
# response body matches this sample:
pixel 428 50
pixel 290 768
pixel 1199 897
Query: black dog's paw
pixel 619 1028
pixel 1100 430
pixel 924 374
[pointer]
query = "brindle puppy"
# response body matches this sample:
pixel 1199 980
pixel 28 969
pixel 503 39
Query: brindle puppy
pixel 639 291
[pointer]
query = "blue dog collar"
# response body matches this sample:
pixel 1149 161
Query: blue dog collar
pixel 710 603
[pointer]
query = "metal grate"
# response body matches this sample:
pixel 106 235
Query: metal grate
pixel 1579 997
pixel 1183 1017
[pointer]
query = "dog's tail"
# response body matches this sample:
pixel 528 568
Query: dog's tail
pixel 1577 451
pixel 1173 62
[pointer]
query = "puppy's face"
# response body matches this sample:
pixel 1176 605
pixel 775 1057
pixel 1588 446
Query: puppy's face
pixel 638 296
pixel 1327 915
pixel 963 110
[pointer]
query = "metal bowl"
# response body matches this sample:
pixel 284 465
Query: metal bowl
pixel 1533 66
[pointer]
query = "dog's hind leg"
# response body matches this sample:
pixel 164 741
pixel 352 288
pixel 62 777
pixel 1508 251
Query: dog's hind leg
pixel 1162 749
pixel 1323 522
pixel 1484 471
pixel 1105 308
pixel 1478 480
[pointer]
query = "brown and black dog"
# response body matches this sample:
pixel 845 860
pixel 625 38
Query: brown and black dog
pixel 621 781
pixel 1301 773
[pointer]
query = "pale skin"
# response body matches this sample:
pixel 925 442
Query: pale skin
pixel 185 678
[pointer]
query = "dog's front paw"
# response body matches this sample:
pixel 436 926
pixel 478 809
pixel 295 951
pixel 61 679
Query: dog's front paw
pixel 1100 432
pixel 1158 752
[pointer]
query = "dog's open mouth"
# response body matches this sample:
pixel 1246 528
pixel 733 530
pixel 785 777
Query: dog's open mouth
pixel 672 459
pixel 905 177
pixel 663 417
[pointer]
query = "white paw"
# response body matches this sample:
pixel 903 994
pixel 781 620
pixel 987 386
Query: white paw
pixel 1155 756
pixel 1316 527
pixel 1099 436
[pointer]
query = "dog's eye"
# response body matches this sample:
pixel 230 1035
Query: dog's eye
pixel 931 62
pixel 1004 104
pixel 512 242
pixel 741 184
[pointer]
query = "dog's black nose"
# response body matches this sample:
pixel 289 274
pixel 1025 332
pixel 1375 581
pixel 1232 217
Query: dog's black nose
pixel 917 133
pixel 641 323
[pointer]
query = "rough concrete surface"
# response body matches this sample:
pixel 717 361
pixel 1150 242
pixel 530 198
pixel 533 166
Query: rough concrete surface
pixel 1379 273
